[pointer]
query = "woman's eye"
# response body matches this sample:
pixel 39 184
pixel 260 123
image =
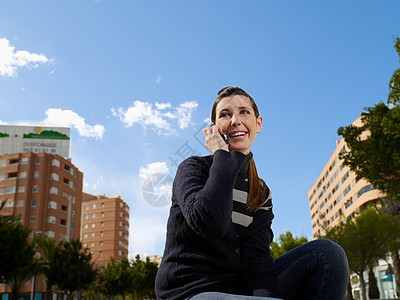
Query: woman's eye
pixel 245 112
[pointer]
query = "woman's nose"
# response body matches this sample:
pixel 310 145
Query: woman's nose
pixel 235 119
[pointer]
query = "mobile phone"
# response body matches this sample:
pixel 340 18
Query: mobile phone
pixel 224 137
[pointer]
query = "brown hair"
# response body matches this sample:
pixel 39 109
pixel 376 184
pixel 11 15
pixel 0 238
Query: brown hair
pixel 256 184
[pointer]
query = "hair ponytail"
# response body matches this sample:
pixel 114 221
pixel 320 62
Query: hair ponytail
pixel 256 188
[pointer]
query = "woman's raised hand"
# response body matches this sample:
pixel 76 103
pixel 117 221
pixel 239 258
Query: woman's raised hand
pixel 214 141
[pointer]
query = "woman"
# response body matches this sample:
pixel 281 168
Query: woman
pixel 219 228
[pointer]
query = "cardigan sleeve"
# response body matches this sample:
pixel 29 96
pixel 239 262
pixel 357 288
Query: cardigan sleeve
pixel 204 192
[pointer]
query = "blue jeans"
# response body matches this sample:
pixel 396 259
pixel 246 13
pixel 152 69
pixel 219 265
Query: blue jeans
pixel 315 270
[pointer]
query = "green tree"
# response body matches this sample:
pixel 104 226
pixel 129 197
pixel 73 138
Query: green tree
pixel 286 242
pixel 376 156
pixel 144 276
pixel 49 263
pixel 117 278
pixel 16 259
pixel 364 239
pixel 75 269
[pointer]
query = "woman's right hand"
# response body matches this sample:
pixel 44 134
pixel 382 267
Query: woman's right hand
pixel 214 141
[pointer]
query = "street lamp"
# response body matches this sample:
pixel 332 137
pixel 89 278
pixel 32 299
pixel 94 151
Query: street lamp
pixel 36 258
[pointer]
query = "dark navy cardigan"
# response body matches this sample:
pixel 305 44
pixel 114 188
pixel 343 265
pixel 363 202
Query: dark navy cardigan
pixel 203 251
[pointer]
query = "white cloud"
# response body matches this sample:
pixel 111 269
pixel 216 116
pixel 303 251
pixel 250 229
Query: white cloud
pixel 156 117
pixel 153 168
pixel 10 59
pixel 162 106
pixel 69 118
pixel 158 80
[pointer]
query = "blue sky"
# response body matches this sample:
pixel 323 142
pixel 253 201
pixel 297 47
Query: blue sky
pixel 135 81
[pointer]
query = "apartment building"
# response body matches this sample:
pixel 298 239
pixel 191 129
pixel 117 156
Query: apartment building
pixel 338 190
pixel 46 190
pixel 105 227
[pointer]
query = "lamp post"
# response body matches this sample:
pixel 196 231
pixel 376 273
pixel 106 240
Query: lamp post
pixel 36 257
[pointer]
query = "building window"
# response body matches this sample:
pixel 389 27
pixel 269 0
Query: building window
pixel 55 162
pixel 20 203
pixel 2 176
pixel 85 245
pixel 11 189
pixel 24 161
pixel 93 215
pixel 102 214
pixel 1 191
pixel 32 219
pixel 119 252
pixel 12 175
pixel 3 163
pixel 86 217
pixel 63 222
pixel 67 168
pixel 52 219
pixel 92 244
pixel 101 233
pixel 101 243
pixel 21 189
pixel 54 190
pixel 85 235
pixel 121 224
pixel 121 214
pixel 86 226
pixel 10 203
pixel 94 206
pixel 35 189
pixel 347 190
pixel 345 176
pixel 101 253
pixel 92 234
pixel 37 161
pixel 36 175
pixel 66 181
pixel 102 205
pixel 87 207
pixel 93 225
pixel 73 213
pixel 22 175
pixel 64 208
pixel 33 203
pixel 101 224
pixel 55 176
pixel 52 204
pixel 13 161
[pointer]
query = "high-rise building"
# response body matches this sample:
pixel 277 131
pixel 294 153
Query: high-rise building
pixel 338 190
pixel 46 191
pixel 105 227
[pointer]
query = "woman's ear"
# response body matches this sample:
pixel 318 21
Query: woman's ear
pixel 259 123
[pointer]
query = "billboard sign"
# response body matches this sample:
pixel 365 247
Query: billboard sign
pixel 53 140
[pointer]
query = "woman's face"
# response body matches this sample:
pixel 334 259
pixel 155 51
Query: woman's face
pixel 236 118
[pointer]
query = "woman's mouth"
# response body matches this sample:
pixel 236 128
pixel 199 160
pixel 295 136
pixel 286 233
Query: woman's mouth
pixel 238 135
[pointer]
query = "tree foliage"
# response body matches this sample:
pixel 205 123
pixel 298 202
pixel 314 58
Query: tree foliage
pixel 16 259
pixel 376 157
pixel 286 242
pixel 365 239
pixel 67 265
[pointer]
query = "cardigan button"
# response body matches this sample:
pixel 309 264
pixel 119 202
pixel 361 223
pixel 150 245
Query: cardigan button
pixel 237 251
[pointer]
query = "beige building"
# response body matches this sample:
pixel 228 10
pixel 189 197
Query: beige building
pixel 338 190
pixel 105 227
pixel 46 190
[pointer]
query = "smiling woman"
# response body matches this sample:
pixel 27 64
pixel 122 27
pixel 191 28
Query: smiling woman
pixel 219 227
